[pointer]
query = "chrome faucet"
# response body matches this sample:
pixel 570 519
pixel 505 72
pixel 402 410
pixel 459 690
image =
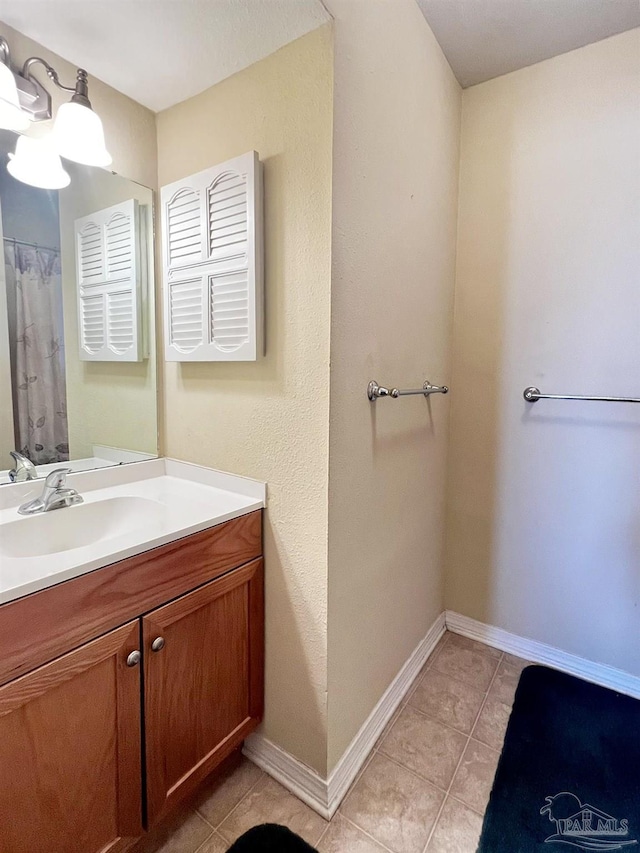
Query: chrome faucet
pixel 55 494
pixel 24 468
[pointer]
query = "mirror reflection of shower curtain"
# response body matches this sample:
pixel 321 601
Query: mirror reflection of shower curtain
pixel 37 363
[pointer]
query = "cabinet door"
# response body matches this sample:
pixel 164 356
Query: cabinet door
pixel 70 761
pixel 203 677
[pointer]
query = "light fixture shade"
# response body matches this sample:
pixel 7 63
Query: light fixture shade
pixel 11 116
pixel 36 163
pixel 78 135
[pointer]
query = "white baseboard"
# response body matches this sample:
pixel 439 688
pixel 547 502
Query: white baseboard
pixel 325 795
pixel 301 780
pixel 352 760
pixel 598 673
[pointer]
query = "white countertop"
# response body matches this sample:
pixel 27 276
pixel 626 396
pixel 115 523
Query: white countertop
pixel 186 499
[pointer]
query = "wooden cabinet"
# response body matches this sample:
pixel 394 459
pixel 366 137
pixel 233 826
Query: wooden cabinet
pixel 203 690
pixel 79 734
pixel 70 752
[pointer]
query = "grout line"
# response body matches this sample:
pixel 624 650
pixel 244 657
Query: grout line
pixel 461 641
pixel 387 729
pixel 466 805
pixel 444 791
pixel 413 773
pixel 485 745
pixel 406 700
pixel 442 723
pixel 202 817
pixel 359 775
pixel 455 773
pixel 368 834
pixel 460 681
pixel 241 800
pixel 413 686
pixel 207 839
pixel 231 811
pixel 324 832
pixel 466 683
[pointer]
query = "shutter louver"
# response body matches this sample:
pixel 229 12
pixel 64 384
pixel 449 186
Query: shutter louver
pixel 229 306
pixel 119 246
pixel 213 266
pixel 184 228
pixel 91 254
pixel 228 214
pixel 109 286
pixel 186 315
pixel 120 328
pixel 92 323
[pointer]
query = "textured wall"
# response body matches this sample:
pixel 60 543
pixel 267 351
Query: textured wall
pixel 396 133
pixel 270 419
pixel 544 505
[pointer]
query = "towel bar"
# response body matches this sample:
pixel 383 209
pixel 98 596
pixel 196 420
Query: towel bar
pixel 532 394
pixel 374 390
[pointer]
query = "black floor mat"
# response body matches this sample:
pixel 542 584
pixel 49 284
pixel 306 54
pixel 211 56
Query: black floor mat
pixel 569 773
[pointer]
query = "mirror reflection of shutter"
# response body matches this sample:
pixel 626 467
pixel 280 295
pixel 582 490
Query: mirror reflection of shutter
pixel 109 285
pixel 213 263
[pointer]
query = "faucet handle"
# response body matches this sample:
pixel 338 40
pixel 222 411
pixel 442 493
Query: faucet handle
pixel 24 468
pixel 56 479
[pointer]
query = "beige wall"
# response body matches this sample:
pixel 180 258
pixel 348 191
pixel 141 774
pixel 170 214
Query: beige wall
pixel 544 505
pixel 269 419
pixel 394 177
pixel 396 134
pixel 108 403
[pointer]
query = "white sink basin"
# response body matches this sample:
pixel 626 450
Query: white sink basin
pixel 127 509
pixel 78 526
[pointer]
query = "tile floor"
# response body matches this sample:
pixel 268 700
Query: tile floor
pixel 423 789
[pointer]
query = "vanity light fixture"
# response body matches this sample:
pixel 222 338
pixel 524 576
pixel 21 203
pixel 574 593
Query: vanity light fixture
pixel 38 164
pixel 78 135
pixel 77 132
pixel 11 115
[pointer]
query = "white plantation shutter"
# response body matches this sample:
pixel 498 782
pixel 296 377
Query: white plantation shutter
pixel 213 264
pixel 109 286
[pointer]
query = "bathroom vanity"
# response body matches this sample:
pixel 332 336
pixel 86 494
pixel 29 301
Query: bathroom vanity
pixel 125 680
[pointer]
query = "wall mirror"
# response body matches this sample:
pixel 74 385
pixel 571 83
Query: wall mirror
pixel 77 321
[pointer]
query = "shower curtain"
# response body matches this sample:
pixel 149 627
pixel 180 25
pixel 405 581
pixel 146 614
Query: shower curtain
pixel 38 369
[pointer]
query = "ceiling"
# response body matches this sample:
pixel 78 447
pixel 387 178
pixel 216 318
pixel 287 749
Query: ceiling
pixel 160 52
pixel 483 39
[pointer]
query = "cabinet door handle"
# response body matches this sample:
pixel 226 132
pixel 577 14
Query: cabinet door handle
pixel 134 658
pixel 158 644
